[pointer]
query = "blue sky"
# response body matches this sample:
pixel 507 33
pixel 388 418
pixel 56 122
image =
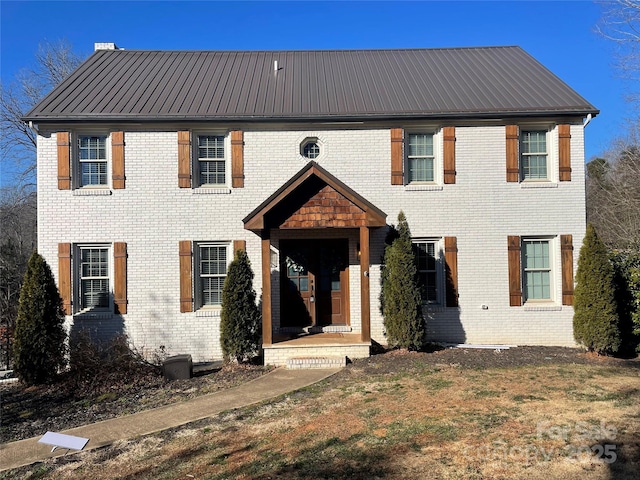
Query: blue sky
pixel 559 34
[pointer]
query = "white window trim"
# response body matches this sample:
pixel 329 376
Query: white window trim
pixel 309 137
pixel 196 272
pixel 440 268
pixel 77 279
pixel 438 148
pixel 76 170
pixel 554 270
pixel 214 188
pixel 552 155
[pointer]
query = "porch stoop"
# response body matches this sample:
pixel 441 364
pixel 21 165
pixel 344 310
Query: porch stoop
pixel 324 350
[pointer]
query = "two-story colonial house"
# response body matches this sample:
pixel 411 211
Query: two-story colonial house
pixel 155 166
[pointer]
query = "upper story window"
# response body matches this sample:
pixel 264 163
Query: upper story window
pixel 533 155
pixel 429 271
pixel 211 162
pixel 92 158
pixel 420 158
pixel 536 270
pixel 311 148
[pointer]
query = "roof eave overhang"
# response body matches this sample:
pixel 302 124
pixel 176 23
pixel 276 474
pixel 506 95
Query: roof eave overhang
pixel 317 118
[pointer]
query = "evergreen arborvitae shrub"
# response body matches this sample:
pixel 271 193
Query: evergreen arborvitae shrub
pixel 401 301
pixel 39 344
pixel 595 319
pixel 626 265
pixel 240 319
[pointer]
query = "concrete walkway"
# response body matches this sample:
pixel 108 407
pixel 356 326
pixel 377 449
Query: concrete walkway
pixel 273 384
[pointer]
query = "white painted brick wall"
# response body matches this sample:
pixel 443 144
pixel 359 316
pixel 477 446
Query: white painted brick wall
pixel 152 215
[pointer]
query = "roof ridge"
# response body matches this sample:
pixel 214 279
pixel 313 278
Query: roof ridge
pixel 355 50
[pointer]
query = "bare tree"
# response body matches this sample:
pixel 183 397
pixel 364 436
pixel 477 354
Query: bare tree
pixel 53 63
pixel 613 192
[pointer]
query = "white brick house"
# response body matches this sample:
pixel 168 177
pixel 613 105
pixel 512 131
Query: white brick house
pixel 154 166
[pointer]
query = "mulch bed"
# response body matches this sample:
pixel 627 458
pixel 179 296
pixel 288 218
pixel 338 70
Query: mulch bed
pixel 31 411
pixel 28 412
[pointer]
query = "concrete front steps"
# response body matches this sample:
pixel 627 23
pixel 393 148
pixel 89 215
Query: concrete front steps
pixel 297 363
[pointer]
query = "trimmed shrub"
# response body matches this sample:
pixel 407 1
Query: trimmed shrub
pixel 595 320
pixel 401 302
pixel 240 319
pixel 39 344
pixel 626 264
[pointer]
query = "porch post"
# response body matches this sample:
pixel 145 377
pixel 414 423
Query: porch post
pixel 267 332
pixel 365 298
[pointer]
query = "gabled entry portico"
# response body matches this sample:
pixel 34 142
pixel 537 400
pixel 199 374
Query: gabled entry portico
pixel 316 219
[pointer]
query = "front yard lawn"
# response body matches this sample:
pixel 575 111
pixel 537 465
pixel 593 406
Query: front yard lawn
pixel 399 416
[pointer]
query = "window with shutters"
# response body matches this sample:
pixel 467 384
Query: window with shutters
pixel 211 160
pixel 94 278
pixel 538 156
pixel 430 270
pixel 91 163
pixel 212 260
pixel 540 270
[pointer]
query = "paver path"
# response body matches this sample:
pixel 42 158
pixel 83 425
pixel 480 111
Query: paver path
pixel 273 384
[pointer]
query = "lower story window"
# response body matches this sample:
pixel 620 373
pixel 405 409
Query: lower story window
pixel 537 270
pixel 428 270
pixel 94 277
pixel 212 272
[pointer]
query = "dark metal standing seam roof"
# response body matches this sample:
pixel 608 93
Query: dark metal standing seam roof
pixel 134 85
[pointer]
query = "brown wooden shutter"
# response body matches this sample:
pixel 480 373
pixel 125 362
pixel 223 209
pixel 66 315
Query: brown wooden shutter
pixel 564 152
pixel 186 277
pixel 397 156
pixel 64 276
pixel 64 160
pixel 184 159
pixel 451 260
pixel 513 140
pixel 449 157
pixel 117 159
pixel 237 159
pixel 515 283
pixel 239 245
pixel 120 277
pixel 566 248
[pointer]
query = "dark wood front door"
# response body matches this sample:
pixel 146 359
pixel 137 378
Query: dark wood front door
pixel 315 282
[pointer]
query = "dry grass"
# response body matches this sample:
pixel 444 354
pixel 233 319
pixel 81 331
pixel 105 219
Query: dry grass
pixel 426 422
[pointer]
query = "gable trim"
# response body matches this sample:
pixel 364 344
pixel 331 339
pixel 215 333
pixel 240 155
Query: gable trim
pixel 374 217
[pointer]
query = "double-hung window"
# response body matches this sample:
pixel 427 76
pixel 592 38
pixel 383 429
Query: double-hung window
pixel 421 157
pixel 429 266
pixel 92 159
pixel 537 270
pixel 211 159
pixel 212 271
pixel 94 278
pixel 533 154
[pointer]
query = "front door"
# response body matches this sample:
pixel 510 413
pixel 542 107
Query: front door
pixel 314 284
